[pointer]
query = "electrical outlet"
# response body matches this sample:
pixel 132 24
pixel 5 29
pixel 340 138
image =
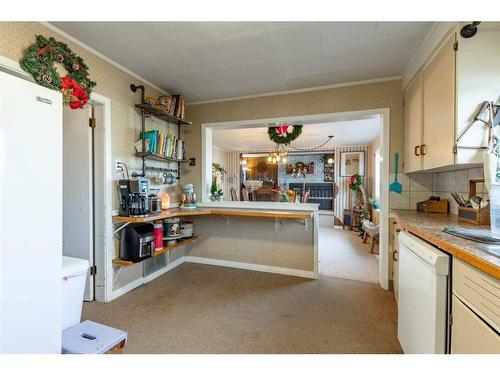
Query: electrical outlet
pixel 118 166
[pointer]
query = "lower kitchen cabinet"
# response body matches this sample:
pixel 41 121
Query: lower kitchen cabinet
pixel 475 311
pixel 470 335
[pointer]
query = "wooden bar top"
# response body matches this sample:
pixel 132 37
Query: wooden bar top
pixel 429 226
pixel 179 212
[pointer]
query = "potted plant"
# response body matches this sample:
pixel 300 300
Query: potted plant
pixel 375 202
pixel 218 172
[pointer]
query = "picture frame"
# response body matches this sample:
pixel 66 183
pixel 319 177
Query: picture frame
pixel 352 162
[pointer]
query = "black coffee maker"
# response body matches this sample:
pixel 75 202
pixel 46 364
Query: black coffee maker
pixel 134 197
pixel 137 242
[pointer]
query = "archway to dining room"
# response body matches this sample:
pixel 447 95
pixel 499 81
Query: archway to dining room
pixel 317 166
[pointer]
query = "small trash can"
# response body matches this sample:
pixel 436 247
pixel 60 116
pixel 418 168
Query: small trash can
pixel 89 337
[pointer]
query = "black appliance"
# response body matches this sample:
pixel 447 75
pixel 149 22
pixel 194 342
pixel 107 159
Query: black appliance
pixel 137 242
pixel 134 197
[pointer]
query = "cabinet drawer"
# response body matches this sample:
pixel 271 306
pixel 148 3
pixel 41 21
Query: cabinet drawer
pixel 469 334
pixel 478 290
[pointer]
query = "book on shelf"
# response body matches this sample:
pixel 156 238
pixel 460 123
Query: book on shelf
pixel 173 105
pixel 166 145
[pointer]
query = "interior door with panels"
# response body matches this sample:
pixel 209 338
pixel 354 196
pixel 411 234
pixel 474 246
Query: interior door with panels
pixel 413 125
pixel 439 107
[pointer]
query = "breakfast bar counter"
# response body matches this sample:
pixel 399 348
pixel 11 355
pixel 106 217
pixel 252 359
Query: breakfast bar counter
pixel 429 226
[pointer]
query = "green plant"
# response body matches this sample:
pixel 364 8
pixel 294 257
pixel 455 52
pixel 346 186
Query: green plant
pixel 217 168
pixel 374 201
pixel 215 192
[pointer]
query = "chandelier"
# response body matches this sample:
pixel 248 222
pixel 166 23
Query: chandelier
pixel 279 155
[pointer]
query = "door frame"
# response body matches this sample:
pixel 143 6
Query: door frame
pixel 103 260
pixel 385 117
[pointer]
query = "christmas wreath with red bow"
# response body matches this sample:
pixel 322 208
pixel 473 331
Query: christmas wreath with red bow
pixel 39 61
pixel 284 134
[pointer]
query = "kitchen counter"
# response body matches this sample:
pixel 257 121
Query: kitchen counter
pixel 430 228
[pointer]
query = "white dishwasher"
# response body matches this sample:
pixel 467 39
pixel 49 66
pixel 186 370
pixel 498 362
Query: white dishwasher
pixel 423 296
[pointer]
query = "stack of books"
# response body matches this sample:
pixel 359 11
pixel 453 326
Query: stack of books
pixel 166 145
pixel 173 105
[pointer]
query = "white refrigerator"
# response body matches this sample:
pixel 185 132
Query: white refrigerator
pixel 30 217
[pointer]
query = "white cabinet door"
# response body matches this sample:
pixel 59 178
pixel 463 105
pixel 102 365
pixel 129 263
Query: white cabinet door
pixel 413 125
pixel 469 334
pixel 439 108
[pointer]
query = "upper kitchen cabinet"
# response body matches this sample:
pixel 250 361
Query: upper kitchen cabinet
pixel 441 99
pixel 439 107
pixel 413 125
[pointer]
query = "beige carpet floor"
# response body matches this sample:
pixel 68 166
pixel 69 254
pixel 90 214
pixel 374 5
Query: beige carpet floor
pixel 207 309
pixel 342 254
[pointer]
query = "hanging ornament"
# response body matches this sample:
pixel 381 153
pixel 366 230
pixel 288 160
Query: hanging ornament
pixel 284 134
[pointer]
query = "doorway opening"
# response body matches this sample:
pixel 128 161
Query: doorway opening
pixel 238 166
pixel 87 190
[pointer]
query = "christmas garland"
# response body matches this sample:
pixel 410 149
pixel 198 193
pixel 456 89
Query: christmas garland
pixel 39 61
pixel 284 134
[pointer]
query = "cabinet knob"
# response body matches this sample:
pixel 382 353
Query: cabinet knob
pixel 416 150
pixel 423 149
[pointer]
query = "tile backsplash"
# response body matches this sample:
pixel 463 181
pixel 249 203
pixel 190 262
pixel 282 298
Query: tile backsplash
pixel 420 186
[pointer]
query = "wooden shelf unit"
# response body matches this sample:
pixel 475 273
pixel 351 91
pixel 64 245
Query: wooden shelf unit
pixel 125 263
pixel 152 111
pixel 156 157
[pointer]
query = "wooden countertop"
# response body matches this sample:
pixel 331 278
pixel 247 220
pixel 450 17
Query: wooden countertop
pixel 430 228
pixel 179 212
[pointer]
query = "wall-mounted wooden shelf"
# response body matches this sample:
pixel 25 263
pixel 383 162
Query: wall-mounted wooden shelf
pixel 156 157
pixel 152 111
pixel 125 263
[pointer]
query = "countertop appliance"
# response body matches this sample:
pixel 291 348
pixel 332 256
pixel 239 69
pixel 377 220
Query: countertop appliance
pixel 31 160
pixel 137 242
pixel 134 197
pixel 423 297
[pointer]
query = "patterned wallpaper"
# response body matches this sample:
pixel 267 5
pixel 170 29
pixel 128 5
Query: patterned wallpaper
pixel 341 99
pixel 317 176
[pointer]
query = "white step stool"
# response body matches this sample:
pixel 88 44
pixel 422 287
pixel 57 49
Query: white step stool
pixel 89 337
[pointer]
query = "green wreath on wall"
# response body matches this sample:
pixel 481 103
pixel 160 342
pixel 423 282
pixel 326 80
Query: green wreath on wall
pixel 39 60
pixel 284 134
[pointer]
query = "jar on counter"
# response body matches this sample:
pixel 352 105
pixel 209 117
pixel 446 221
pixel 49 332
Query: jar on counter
pixel 158 235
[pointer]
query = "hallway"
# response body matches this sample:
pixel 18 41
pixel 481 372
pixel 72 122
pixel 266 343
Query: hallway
pixel 342 254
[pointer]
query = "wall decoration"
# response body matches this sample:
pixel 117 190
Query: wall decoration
pixel 352 162
pixel 329 168
pixel 284 134
pixel 299 170
pixel 40 61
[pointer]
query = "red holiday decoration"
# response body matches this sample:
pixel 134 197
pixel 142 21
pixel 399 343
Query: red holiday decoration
pixel 282 129
pixel 73 93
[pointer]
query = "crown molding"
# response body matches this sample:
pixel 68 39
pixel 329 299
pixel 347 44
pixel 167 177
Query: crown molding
pixel 316 88
pixel 101 56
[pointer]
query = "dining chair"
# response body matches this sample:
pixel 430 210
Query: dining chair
pixel 266 194
pixel 234 195
pixel 244 195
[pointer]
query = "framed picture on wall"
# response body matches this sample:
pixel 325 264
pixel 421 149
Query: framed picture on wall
pixel 352 162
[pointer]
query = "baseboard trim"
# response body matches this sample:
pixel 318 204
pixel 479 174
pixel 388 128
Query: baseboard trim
pixel 252 267
pixel 143 280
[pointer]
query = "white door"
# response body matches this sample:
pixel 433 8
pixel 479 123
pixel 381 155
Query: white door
pixel 77 190
pixel 30 217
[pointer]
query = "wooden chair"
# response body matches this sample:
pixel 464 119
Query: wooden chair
pixel 244 195
pixel 370 231
pixel 291 195
pixel 305 197
pixel 265 194
pixel 234 195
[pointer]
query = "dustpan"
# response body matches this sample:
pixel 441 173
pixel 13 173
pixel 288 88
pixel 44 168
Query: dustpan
pixel 396 186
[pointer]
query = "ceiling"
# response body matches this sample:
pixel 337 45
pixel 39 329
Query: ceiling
pixel 216 60
pixel 353 132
